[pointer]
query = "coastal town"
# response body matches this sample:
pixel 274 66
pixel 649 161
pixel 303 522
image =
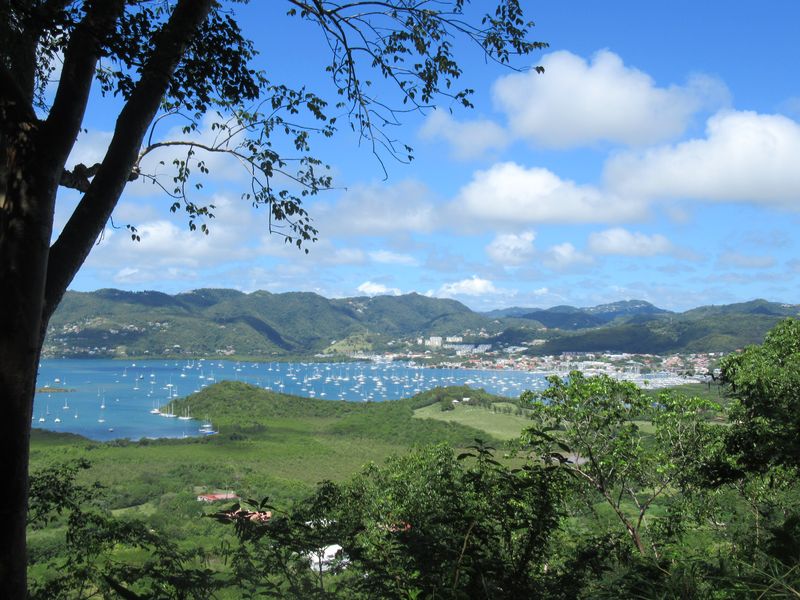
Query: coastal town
pixel 647 370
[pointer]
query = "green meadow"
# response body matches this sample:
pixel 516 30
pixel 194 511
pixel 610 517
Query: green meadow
pixel 268 444
pixel 501 420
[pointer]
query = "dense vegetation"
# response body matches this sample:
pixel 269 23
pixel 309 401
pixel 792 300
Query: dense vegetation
pixel 604 492
pixel 214 321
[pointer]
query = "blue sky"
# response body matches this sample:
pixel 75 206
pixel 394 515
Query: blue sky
pixel 658 157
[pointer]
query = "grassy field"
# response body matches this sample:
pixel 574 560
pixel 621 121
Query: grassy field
pixel 712 392
pixel 496 423
pixel 269 444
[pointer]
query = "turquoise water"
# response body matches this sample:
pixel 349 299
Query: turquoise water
pixel 110 399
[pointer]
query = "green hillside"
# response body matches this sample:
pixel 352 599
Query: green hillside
pixel 679 333
pixel 224 322
pixel 219 322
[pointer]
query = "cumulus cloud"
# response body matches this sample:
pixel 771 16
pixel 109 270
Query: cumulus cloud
pixel 626 243
pixel 745 157
pixel 135 275
pixel 169 251
pixel 89 148
pixel 578 102
pixel 565 256
pixel 511 249
pixel 474 286
pixel 336 256
pixel 165 243
pixel 743 261
pixel 510 194
pixel 392 258
pixel 375 210
pixel 467 139
pixel 370 288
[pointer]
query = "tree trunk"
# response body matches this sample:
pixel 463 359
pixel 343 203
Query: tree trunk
pixel 17 382
pixel 27 197
pixel 34 275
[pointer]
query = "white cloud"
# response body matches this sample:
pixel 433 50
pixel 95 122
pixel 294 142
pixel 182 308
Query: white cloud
pixel 135 276
pixel 576 102
pixel 474 286
pixel 623 242
pixel 745 157
pixel 510 194
pixel 371 288
pixel 467 139
pixel 375 210
pixel 511 249
pixel 393 258
pixel 89 148
pixel 565 256
pixel 335 256
pixel 743 261
pixel 168 243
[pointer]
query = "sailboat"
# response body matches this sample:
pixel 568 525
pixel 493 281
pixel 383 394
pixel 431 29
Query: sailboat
pixel 207 428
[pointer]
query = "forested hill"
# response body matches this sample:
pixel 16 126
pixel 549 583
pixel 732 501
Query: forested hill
pixel 213 322
pixel 218 321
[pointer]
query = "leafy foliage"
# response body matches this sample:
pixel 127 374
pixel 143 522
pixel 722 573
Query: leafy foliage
pixel 765 381
pixel 93 542
pixel 590 427
pixel 426 525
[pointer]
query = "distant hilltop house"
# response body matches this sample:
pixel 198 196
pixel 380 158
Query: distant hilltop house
pixel 217 497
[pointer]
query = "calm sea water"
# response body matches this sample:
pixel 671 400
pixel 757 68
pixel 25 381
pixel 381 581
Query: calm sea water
pixel 111 399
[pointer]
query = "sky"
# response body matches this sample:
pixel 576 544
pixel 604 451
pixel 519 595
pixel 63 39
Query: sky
pixel 656 158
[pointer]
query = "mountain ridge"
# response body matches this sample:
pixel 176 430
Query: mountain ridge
pixel 218 321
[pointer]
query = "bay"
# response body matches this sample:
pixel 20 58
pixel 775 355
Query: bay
pixel 111 399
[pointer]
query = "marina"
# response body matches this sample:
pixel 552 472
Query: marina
pixel 108 399
pixel 105 399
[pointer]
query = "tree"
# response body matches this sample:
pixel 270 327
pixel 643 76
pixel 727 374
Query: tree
pixel 429 524
pixel 590 427
pixel 181 59
pixel 765 419
pixel 92 540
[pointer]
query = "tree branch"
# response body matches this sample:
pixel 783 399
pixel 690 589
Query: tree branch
pixel 93 211
pixel 80 59
pixel 79 178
